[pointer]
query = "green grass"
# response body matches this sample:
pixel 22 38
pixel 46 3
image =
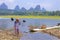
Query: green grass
pixel 41 17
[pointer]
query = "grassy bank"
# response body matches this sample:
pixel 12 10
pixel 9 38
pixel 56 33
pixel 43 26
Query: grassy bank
pixel 41 17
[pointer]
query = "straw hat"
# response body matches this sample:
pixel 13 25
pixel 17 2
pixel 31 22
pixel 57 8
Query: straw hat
pixel 17 20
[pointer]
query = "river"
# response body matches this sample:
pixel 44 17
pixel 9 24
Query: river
pixel 6 23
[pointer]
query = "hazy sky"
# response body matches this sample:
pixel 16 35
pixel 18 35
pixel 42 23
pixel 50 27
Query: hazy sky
pixel 47 4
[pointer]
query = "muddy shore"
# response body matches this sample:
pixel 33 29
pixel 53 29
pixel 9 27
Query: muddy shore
pixel 54 32
pixel 8 35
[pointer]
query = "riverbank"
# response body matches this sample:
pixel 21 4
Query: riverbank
pixel 41 17
pixel 54 32
pixel 8 35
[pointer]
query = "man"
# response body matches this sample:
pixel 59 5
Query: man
pixel 43 26
pixel 16 27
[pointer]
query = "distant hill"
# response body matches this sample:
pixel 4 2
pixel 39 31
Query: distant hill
pixel 23 9
pixel 31 9
pixel 3 6
pixel 43 10
pixel 17 8
pixel 38 10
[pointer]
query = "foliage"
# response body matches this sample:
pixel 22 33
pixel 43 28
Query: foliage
pixel 14 12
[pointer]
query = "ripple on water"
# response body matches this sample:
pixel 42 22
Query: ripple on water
pixel 38 36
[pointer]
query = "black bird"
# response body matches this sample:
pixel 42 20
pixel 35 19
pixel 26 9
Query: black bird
pixel 24 21
pixel 12 19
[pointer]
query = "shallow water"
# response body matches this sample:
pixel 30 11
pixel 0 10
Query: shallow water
pixel 24 27
pixel 38 36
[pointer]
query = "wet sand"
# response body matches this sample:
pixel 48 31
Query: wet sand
pixel 54 32
pixel 8 35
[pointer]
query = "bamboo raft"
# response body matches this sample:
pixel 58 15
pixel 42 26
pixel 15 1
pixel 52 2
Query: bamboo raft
pixel 46 28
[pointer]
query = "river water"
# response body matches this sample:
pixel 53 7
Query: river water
pixel 6 23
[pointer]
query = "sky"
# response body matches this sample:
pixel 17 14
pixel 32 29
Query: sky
pixel 50 5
